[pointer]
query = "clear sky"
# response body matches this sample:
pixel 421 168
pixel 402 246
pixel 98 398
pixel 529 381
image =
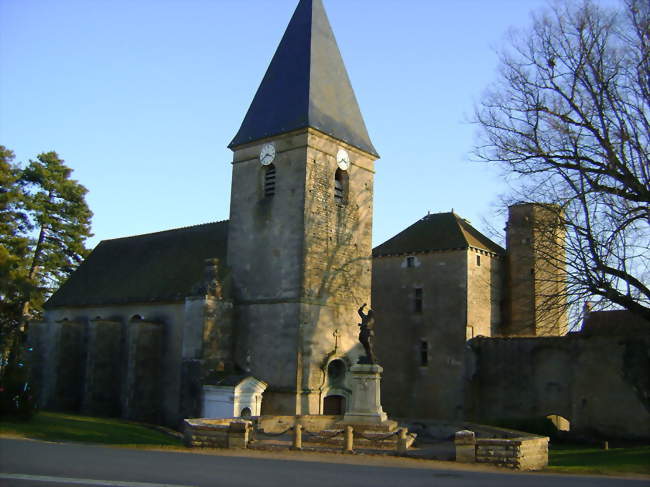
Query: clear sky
pixel 141 98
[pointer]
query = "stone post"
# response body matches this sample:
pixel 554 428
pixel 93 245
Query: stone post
pixel 465 442
pixel 402 441
pixel 348 445
pixel 238 434
pixel 297 437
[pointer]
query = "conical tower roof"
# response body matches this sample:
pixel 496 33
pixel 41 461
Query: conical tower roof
pixel 306 85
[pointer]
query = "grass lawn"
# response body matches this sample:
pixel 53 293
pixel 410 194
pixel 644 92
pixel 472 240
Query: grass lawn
pixel 68 427
pixel 590 460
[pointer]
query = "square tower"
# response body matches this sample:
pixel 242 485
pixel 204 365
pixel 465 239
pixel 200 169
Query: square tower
pixel 536 272
pixel 299 244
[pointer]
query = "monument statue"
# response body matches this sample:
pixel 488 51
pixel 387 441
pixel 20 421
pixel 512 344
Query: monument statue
pixel 366 334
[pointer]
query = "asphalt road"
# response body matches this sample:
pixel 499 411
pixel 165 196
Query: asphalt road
pixel 32 463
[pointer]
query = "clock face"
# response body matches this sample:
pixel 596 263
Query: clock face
pixel 343 159
pixel 267 154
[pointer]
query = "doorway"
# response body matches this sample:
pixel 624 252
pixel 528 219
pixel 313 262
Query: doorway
pixel 334 405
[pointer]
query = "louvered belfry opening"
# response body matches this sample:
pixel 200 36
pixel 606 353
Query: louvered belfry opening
pixel 269 181
pixel 341 187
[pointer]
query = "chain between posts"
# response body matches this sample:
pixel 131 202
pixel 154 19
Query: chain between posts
pixel 321 435
pixel 349 432
pixel 375 438
pixel 272 435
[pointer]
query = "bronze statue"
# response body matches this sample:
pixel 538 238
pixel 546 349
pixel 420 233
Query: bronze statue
pixel 366 334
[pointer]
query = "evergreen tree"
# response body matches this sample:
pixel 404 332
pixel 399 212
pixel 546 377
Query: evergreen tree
pixel 14 248
pixel 44 221
pixel 60 221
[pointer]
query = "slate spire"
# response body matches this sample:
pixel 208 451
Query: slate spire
pixel 306 85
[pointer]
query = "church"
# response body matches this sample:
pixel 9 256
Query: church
pixel 273 292
pixel 266 303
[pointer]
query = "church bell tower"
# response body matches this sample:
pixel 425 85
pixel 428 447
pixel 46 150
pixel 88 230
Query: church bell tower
pixel 299 244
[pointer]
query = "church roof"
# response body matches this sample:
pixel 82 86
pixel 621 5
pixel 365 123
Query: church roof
pixel 306 85
pixel 439 231
pixel 162 266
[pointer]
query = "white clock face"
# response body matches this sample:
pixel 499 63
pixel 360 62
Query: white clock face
pixel 267 154
pixel 343 159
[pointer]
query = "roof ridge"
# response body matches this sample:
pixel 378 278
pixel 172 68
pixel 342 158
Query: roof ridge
pixel 164 231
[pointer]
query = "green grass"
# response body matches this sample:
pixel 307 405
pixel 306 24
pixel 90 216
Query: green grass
pixel 68 427
pixel 591 460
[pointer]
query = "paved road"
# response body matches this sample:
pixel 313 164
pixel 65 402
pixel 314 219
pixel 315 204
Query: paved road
pixel 39 464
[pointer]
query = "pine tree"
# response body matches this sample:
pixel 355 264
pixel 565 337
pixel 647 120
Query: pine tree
pixel 44 222
pixel 60 219
pixel 14 248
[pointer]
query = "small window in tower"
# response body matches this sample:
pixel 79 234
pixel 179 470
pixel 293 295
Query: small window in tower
pixel 424 353
pixel 478 260
pixel 269 180
pixel 417 304
pixel 341 187
pixel 410 262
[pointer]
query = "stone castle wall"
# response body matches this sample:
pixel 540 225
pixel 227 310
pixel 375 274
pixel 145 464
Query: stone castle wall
pixel 411 387
pixel 599 384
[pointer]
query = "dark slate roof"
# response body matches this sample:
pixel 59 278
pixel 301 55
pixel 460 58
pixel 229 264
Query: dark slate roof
pixel 439 231
pixel 306 85
pixel 162 266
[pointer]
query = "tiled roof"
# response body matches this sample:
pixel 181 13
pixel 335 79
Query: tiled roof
pixel 439 231
pixel 306 85
pixel 162 266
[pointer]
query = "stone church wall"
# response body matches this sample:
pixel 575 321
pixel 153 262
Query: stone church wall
pixel 143 392
pixel 599 384
pixel 105 362
pixel 57 363
pixel 207 348
pixel 337 262
pixel 75 354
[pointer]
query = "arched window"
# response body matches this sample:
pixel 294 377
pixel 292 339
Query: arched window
pixel 336 372
pixel 269 180
pixel 341 187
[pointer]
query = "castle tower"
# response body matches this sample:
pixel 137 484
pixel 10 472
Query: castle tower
pixel 536 276
pixel 299 244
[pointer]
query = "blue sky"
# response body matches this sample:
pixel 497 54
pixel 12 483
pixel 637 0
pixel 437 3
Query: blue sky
pixel 142 97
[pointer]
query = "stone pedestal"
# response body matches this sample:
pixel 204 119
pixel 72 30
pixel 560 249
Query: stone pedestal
pixel 366 403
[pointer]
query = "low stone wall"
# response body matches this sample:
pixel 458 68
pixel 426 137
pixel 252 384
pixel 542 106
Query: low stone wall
pixel 517 453
pixel 216 433
pixel 446 430
pixel 523 453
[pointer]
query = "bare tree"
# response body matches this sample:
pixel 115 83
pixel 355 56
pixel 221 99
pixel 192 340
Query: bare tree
pixel 569 122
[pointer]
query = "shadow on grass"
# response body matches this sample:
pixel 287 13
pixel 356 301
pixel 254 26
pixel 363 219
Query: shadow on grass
pixel 581 459
pixel 67 427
